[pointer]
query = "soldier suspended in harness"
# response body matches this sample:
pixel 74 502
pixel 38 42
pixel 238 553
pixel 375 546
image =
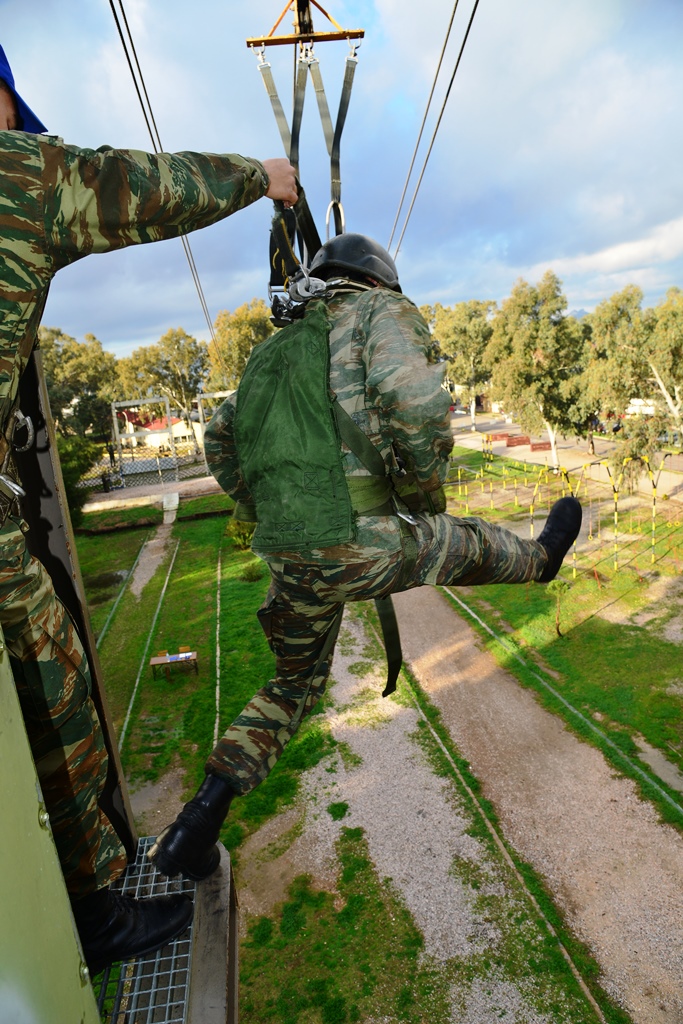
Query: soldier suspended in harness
pixel 337 445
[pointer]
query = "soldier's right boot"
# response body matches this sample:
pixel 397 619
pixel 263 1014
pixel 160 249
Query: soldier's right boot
pixel 559 533
pixel 188 845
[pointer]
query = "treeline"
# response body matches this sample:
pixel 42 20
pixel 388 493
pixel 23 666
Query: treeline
pixel 554 372
pixel 83 380
pixel 562 374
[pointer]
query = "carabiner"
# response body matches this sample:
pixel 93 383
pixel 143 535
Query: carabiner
pixel 23 421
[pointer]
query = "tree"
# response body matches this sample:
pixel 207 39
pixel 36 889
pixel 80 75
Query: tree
pixel 535 355
pixel 616 367
pixel 236 335
pixel 177 367
pixel 665 355
pixel 76 456
pixel 81 382
pixel 557 588
pixel 464 331
pixel 637 353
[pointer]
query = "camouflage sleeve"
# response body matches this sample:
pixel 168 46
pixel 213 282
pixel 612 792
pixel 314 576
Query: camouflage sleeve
pixel 99 200
pixel 221 452
pixel 405 382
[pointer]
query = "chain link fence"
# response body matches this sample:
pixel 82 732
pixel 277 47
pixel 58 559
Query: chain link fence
pixel 152 445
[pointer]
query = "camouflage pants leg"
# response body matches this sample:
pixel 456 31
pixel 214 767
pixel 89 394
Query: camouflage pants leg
pixel 53 684
pixel 304 600
pixel 296 629
pixel 471 551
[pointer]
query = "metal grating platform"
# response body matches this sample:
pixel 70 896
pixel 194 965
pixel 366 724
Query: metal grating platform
pixel 153 989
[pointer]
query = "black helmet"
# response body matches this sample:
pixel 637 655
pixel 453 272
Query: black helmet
pixel 356 254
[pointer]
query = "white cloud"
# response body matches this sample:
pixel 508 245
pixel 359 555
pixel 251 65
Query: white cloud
pixel 663 243
pixel 559 146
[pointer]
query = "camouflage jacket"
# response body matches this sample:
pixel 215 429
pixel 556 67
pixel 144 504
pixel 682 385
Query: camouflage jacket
pixel 384 372
pixel 59 203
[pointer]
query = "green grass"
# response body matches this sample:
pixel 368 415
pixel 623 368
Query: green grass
pixel 314 961
pixel 122 648
pixel 120 518
pixel 105 567
pixel 205 505
pixel 175 716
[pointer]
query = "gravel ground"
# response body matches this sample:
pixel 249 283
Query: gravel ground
pixel 613 867
pixel 416 828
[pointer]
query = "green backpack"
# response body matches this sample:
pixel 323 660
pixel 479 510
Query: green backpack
pixel 288 441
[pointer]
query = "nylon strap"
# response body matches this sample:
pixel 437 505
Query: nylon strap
pixel 370 495
pixel 344 100
pixel 323 108
pixel 299 97
pixel 354 439
pixel 284 226
pixel 284 262
pixel 392 641
pixel 306 224
pixel 281 120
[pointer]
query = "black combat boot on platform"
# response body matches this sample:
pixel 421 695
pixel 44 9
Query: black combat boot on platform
pixel 188 846
pixel 115 927
pixel 559 533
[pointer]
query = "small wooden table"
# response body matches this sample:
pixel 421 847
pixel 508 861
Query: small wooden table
pixel 166 661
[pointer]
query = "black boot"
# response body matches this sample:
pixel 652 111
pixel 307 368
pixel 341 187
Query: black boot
pixel 115 927
pixel 559 533
pixel 188 845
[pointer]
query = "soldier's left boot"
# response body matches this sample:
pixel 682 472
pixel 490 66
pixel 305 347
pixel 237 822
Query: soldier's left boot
pixel 559 533
pixel 188 846
pixel 114 927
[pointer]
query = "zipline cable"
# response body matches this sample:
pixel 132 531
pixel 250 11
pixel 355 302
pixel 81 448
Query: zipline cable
pixel 148 114
pixel 436 129
pixel 422 126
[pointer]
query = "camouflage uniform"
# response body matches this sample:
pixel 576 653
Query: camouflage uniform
pixel 384 373
pixel 58 204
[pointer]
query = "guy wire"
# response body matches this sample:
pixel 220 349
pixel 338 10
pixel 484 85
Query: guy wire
pixel 436 129
pixel 150 121
pixel 424 121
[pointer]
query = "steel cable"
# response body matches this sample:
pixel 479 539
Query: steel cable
pixel 422 126
pixel 436 129
pixel 148 114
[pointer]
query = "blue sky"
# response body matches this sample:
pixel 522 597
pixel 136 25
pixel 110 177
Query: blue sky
pixel 561 145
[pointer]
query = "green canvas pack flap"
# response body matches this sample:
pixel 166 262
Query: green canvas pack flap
pixel 287 440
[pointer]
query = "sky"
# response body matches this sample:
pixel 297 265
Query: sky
pixel 560 146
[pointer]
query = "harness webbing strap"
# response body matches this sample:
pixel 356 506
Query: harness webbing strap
pixel 306 224
pixel 283 260
pixel 344 100
pixel 323 108
pixel 297 114
pixel 392 641
pixel 281 120
pixel 354 439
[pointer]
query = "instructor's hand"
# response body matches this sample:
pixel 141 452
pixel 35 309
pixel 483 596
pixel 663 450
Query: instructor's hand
pixel 282 180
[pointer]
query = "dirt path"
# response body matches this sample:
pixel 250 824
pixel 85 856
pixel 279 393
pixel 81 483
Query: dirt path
pixel 615 870
pixel 151 557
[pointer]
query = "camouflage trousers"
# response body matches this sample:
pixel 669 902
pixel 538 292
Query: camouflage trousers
pixel 53 684
pixel 305 601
